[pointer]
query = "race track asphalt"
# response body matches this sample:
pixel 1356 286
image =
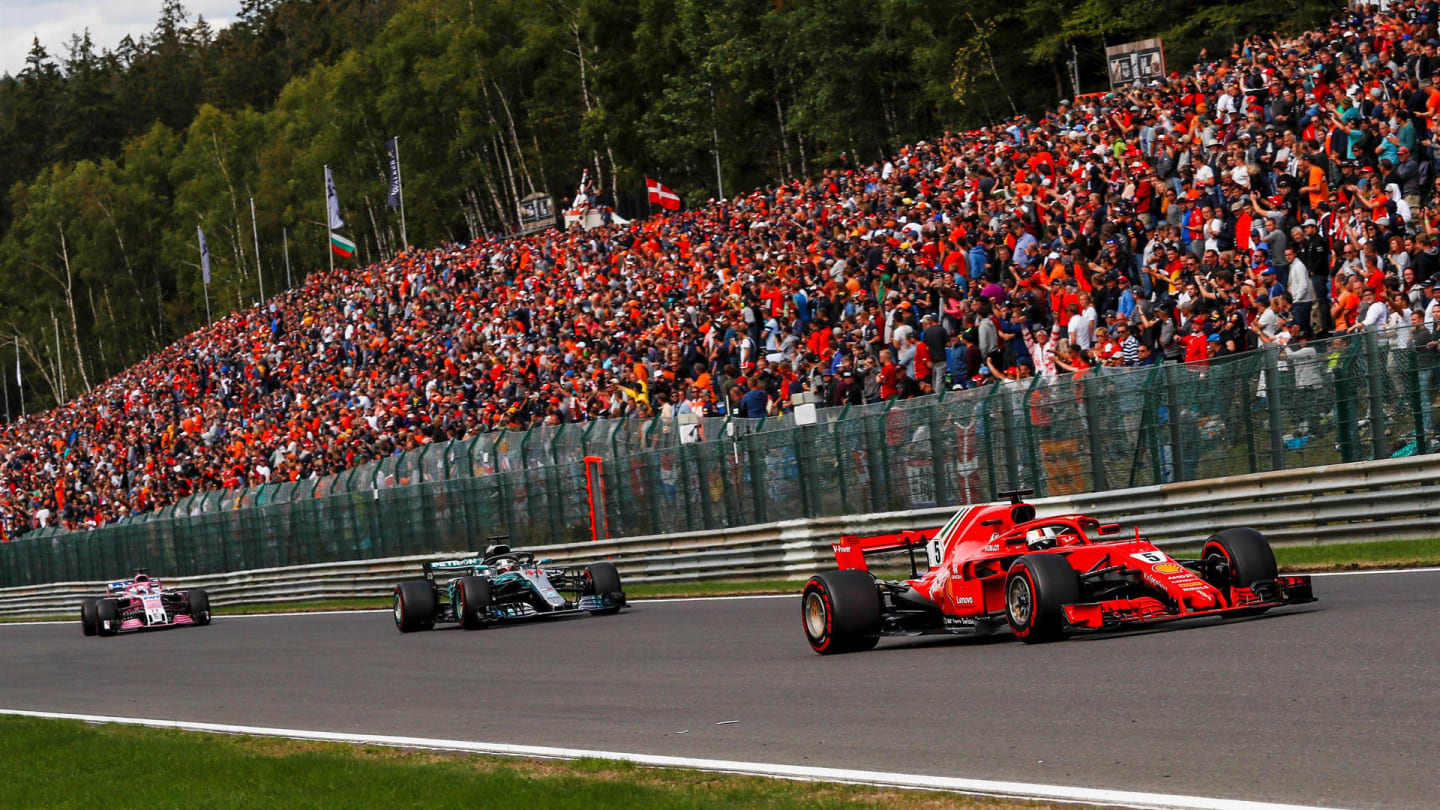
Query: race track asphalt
pixel 1331 704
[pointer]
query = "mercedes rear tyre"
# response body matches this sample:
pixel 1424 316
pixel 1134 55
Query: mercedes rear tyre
pixel 472 602
pixel 1037 589
pixel 414 606
pixel 841 612
pixel 87 616
pixel 604 579
pixel 1238 557
pixel 199 606
pixel 107 617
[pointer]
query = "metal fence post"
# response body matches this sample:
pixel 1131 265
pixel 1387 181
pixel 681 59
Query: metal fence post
pixel 1032 444
pixel 937 453
pixel 1270 356
pixel 755 455
pixel 877 458
pixel 836 429
pixel 554 498
pixel 1177 438
pixel 1012 449
pixel 1417 397
pixel 804 440
pixel 1375 381
pixel 1090 400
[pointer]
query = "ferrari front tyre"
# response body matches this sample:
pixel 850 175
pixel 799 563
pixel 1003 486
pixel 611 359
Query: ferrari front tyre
pixel 1037 589
pixel 472 602
pixel 199 606
pixel 604 579
pixel 1238 557
pixel 87 616
pixel 107 617
pixel 841 612
pixel 414 606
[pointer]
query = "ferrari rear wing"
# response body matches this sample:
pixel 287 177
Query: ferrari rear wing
pixel 851 549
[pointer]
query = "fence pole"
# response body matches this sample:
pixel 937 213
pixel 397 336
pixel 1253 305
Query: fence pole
pixel 1412 384
pixel 937 453
pixel 1270 357
pixel 1375 380
pixel 756 457
pixel 877 457
pixel 1032 444
pixel 804 440
pixel 1177 438
pixel 1012 449
pixel 835 432
pixel 1090 400
pixel 554 498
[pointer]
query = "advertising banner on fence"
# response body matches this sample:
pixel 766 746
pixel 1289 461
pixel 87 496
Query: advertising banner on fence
pixel 1135 62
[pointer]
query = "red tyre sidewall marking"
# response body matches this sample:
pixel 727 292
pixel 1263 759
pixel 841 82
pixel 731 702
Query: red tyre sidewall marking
pixel 1022 632
pixel 829 618
pixel 1205 552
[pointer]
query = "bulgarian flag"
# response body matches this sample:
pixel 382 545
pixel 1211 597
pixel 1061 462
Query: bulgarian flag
pixel 341 246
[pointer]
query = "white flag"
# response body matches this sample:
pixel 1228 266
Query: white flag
pixel 204 257
pixel 334 201
pixel 18 381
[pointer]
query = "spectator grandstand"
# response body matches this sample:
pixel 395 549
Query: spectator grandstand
pixel 1284 191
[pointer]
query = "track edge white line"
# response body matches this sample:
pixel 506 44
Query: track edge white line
pixel 980 787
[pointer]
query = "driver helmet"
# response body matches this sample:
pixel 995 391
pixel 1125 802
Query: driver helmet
pixel 1037 539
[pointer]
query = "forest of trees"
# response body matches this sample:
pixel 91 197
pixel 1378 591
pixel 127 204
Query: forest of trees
pixel 114 157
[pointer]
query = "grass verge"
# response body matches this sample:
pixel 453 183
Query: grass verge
pixel 65 764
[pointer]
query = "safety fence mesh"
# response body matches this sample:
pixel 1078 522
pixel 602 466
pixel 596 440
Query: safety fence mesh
pixel 1352 398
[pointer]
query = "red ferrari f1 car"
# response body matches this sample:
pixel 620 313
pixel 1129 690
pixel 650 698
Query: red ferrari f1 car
pixel 997 566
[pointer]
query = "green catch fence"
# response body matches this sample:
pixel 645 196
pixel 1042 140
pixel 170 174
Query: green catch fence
pixel 1353 398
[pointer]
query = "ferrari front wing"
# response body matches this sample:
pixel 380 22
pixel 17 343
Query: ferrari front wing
pixel 1265 594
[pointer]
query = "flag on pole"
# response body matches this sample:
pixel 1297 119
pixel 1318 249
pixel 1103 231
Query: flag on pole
pixel 18 381
pixel 393 154
pixel 204 256
pixel 341 246
pixel 333 200
pixel 662 196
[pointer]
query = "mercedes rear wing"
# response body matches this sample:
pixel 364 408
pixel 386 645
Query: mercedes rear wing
pixel 455 566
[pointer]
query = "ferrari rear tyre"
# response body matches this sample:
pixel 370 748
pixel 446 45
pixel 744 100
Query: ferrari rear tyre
pixel 604 579
pixel 841 612
pixel 1242 556
pixel 472 602
pixel 1037 589
pixel 87 616
pixel 414 606
pixel 107 617
pixel 199 606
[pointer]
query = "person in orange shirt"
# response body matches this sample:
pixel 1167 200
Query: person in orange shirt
pixel 1316 190
pixel 1347 305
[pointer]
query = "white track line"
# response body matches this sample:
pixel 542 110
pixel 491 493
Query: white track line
pixel 1377 571
pixel 983 787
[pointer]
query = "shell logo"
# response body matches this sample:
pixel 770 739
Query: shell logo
pixel 1167 568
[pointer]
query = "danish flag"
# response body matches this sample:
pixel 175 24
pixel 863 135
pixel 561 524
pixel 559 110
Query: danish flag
pixel 662 196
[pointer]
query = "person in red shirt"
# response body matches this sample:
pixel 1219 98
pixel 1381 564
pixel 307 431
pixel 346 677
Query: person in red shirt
pixel 889 376
pixel 923 366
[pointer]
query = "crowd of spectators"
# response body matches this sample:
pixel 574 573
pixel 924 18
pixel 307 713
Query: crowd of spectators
pixel 1283 191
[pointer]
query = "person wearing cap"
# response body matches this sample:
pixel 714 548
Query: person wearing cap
pixel 1270 280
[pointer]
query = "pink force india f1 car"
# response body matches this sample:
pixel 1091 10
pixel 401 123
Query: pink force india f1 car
pixel 141 603
pixel 997 567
